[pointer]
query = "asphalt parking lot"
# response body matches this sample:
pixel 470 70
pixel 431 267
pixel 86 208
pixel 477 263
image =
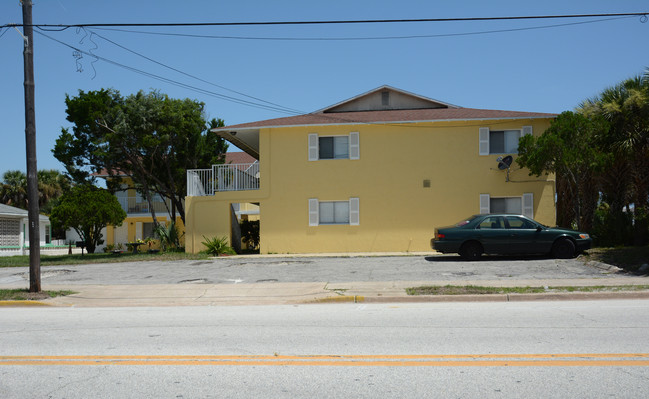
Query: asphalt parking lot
pixel 260 269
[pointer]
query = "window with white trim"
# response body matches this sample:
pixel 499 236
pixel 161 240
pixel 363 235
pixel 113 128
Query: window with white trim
pixel 501 141
pixel 334 212
pixel 334 147
pixel 523 205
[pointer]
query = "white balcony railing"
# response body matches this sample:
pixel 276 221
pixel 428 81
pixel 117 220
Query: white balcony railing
pixel 230 177
pixel 140 205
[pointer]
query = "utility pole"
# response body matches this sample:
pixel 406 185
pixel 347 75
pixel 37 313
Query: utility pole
pixel 30 141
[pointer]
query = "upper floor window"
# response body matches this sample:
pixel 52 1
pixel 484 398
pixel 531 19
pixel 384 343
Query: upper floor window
pixel 334 147
pixel 501 141
pixel 504 141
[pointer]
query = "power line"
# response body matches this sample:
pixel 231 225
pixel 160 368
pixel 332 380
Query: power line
pixel 334 22
pixel 289 110
pixel 174 82
pixel 358 38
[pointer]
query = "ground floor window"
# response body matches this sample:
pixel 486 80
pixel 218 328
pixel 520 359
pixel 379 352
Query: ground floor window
pixel 334 212
pixel 520 205
pixel 147 229
pixel 9 233
pixel 506 205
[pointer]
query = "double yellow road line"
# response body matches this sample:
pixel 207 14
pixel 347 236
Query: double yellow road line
pixel 503 360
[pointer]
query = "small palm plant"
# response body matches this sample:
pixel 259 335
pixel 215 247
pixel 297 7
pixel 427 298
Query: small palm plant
pixel 217 246
pixel 168 235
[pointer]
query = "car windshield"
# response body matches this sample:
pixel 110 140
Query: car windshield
pixel 466 221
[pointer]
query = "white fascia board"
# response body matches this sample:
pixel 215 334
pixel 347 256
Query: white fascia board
pixel 383 123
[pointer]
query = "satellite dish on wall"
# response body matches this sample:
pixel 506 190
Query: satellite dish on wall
pixel 505 163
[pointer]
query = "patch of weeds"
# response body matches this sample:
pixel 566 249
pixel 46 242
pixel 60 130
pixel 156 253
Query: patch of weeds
pixel 22 294
pixel 470 290
pixel 78 259
pixel 477 290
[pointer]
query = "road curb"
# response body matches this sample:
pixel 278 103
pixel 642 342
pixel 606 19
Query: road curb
pixel 556 296
pixel 17 304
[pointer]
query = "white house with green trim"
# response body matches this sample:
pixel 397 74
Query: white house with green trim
pixel 14 231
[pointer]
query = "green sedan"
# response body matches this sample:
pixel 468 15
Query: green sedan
pixel 507 234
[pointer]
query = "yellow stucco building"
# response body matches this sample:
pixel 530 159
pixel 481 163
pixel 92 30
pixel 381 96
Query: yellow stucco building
pixel 374 173
pixel 138 224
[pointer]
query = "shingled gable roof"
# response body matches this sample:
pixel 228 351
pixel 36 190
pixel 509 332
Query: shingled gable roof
pixel 439 111
pixel 415 101
pixel 369 108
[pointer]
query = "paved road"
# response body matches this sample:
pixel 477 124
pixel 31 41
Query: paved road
pixel 252 270
pixel 462 350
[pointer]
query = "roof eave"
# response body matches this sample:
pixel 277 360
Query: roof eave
pixel 227 130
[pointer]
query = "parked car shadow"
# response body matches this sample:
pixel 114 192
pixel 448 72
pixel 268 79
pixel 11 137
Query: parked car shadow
pixel 483 258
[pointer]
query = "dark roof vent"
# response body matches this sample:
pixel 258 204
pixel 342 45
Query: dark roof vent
pixel 385 98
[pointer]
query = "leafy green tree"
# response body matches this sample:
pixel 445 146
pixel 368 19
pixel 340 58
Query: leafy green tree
pixel 87 209
pixel 150 137
pixel 566 149
pixel 626 107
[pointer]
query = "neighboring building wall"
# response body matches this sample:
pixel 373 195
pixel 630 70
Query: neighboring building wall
pixel 14 235
pixel 135 228
pixel 409 179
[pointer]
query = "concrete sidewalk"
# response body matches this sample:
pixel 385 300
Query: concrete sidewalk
pixel 317 292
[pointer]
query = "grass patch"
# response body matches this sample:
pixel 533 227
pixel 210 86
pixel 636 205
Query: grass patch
pixel 23 294
pixel 478 290
pixel 78 259
pixel 627 258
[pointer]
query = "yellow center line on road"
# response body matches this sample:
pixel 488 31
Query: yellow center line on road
pixel 466 360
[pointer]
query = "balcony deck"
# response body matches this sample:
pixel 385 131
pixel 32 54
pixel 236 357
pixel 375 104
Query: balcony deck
pixel 230 177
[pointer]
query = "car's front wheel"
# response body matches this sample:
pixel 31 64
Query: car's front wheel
pixel 563 249
pixel 471 250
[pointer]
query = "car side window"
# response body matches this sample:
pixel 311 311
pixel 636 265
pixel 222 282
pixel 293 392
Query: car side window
pixel 518 223
pixel 492 222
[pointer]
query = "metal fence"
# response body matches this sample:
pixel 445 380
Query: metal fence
pixel 140 205
pixel 230 177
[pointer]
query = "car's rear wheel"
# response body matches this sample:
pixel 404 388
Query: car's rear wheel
pixel 471 250
pixel 563 249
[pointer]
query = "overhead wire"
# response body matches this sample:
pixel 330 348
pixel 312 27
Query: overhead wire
pixel 402 37
pixel 335 22
pixel 171 81
pixel 276 107
pixel 290 110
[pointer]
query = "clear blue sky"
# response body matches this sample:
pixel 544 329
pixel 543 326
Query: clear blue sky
pixel 544 70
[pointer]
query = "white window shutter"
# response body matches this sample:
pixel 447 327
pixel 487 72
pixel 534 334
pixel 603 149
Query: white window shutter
pixel 313 146
pixel 527 130
pixel 484 140
pixel 354 212
pixel 528 205
pixel 314 212
pixel 354 146
pixel 484 203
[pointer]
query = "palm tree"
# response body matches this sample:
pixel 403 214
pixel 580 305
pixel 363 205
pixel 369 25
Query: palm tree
pixel 14 189
pixel 626 107
pixel 51 185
